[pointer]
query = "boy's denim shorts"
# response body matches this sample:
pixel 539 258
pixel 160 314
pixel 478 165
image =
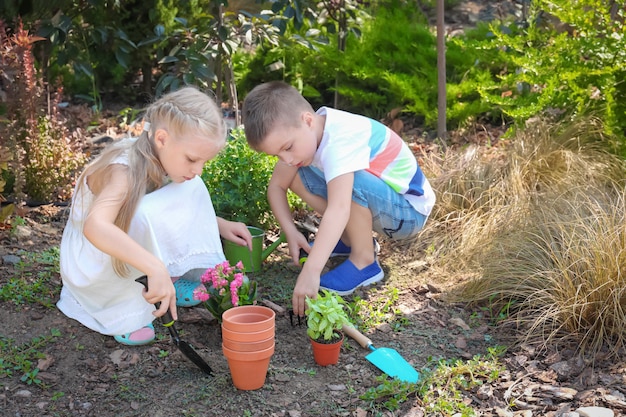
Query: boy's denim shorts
pixel 392 215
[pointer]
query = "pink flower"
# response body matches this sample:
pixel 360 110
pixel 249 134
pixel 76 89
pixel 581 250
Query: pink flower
pixel 226 287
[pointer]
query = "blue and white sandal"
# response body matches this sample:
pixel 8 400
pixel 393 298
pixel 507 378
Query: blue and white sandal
pixel 139 337
pixel 184 292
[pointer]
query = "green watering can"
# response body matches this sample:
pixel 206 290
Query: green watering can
pixel 252 260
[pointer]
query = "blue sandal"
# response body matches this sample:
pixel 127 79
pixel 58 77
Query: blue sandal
pixel 139 337
pixel 184 293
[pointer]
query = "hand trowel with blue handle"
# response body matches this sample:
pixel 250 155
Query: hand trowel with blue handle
pixel 386 359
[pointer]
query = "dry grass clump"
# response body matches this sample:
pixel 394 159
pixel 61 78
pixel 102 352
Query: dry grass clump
pixel 559 274
pixel 544 227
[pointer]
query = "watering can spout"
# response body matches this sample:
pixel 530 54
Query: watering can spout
pixel 273 246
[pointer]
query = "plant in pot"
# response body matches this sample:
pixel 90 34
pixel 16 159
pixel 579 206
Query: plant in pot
pixel 226 286
pixel 325 317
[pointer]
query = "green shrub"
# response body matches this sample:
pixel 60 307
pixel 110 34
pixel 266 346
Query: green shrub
pixel 45 157
pixel 570 59
pixel 237 180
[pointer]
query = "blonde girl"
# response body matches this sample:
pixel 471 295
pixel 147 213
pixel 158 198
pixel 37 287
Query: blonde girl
pixel 141 209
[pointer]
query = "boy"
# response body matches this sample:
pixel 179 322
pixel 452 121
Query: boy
pixel 357 173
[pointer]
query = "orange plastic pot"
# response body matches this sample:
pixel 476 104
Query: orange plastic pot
pixel 247 346
pixel 249 318
pixel 248 369
pixel 326 354
pixel 237 336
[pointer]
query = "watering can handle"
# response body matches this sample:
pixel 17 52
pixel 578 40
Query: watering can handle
pixel 360 338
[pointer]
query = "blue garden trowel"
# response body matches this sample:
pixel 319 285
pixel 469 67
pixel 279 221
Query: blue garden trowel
pixel 386 359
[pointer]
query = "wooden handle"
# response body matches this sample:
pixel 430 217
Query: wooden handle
pixel 359 337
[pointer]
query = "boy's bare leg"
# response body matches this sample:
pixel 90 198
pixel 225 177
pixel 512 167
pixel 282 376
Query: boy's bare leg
pixel 359 236
pixel 358 232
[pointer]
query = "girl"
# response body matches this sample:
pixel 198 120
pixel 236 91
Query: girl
pixel 141 209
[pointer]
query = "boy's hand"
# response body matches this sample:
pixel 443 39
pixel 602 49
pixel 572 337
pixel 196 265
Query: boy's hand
pixel 306 285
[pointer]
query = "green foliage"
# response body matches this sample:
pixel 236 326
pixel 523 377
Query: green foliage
pixel 393 63
pixel 21 358
pixel 443 386
pixel 237 181
pixel 379 308
pixel 571 58
pixel 44 156
pixel 35 282
pixel 325 315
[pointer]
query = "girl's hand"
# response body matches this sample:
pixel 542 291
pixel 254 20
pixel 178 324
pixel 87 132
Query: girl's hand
pixel 236 232
pixel 161 289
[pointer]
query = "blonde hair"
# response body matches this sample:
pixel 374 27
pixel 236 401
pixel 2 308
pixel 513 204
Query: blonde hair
pixel 179 112
pixel 269 105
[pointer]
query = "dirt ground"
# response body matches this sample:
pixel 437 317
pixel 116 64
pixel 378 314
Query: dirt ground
pixel 86 374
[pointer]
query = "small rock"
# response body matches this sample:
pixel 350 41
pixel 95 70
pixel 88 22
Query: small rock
pixel 44 363
pixel 11 259
pixel 22 232
pixel 337 387
pixel 23 393
pixel 594 412
pixel 282 378
pixel 294 413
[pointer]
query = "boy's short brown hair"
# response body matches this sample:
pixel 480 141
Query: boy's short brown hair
pixel 269 105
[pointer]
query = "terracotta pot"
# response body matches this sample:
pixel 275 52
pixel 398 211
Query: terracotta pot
pixel 326 353
pixel 236 336
pixel 248 369
pixel 249 318
pixel 247 346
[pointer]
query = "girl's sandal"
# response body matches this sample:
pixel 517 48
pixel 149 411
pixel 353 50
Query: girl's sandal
pixel 139 337
pixel 184 293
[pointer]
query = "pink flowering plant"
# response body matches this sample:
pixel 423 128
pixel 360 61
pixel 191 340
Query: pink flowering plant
pixel 226 286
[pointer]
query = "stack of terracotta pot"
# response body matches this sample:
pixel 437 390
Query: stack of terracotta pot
pixel 248 344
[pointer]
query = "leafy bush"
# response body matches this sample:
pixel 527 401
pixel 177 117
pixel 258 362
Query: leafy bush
pixel 392 64
pixel 570 58
pixel 237 180
pixel 44 157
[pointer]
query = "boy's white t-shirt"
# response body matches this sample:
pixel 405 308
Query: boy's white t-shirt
pixel 352 142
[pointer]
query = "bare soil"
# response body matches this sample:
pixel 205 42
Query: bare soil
pixel 85 373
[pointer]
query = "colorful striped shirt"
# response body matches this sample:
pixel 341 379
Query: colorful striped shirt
pixel 352 142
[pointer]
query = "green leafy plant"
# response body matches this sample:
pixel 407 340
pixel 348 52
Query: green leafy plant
pixel 237 180
pixel 567 59
pixel 34 283
pixel 21 358
pixel 371 313
pixel 443 386
pixel 326 316
pixel 44 156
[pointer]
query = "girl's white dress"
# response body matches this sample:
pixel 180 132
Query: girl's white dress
pixel 177 223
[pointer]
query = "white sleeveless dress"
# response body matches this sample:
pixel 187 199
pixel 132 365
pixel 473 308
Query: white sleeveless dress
pixel 176 223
